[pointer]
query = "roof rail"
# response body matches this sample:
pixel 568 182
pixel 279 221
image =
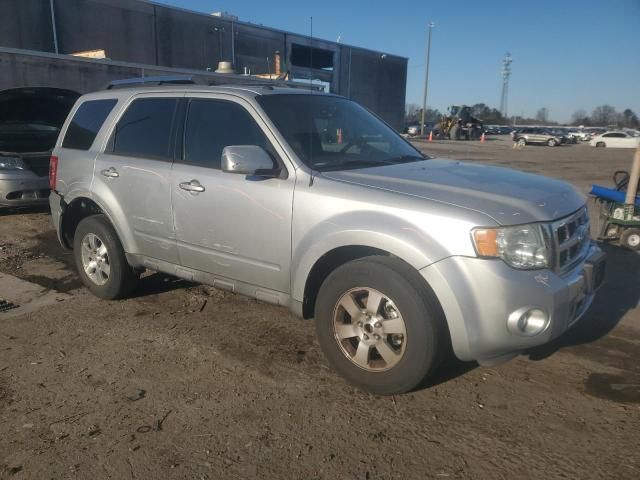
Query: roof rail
pixel 158 80
pixel 191 80
pixel 271 84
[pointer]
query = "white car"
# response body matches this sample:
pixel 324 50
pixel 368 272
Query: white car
pixel 615 139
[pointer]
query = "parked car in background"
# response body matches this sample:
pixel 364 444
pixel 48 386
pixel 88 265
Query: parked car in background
pixel 504 130
pixel 414 130
pixel 30 121
pixel 515 131
pixel 561 134
pixel 579 135
pixel 593 132
pixel 615 139
pixel 632 131
pixel 396 257
pixel 536 136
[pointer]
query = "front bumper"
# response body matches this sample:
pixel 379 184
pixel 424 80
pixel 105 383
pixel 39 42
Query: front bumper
pixel 478 296
pixel 23 187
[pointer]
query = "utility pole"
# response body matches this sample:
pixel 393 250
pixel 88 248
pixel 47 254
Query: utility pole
pixel 506 73
pixel 426 80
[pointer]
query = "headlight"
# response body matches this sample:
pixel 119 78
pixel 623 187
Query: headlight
pixel 525 247
pixel 11 163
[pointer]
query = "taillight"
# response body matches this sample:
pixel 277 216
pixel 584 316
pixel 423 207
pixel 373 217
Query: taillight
pixel 53 172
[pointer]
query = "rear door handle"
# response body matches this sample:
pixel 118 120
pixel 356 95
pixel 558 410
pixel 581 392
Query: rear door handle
pixel 110 172
pixel 192 186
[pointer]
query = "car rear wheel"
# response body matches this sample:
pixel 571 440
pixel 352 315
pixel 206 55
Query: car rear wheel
pixel 100 259
pixel 601 145
pixel 377 327
pixel 630 239
pixel 551 142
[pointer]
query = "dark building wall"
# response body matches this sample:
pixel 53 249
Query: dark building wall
pixel 124 29
pixel 377 81
pixel 20 68
pixel 149 34
pixel 26 24
pixel 254 45
pixel 189 40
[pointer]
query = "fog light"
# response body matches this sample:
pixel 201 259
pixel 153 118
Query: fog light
pixel 528 321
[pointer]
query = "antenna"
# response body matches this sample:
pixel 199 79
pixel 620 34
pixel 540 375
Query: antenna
pixel 506 73
pixel 312 176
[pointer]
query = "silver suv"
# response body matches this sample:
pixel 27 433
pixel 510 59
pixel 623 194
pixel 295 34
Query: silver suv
pixel 309 201
pixel 541 136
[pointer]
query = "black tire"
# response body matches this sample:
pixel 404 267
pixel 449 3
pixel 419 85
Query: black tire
pixel 427 338
pixel 601 145
pixel 122 279
pixel 630 239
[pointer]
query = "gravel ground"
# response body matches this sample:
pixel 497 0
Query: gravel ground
pixel 183 381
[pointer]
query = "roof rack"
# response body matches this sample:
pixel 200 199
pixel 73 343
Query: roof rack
pixel 146 81
pixel 191 80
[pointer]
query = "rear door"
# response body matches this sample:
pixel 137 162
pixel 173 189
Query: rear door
pixel 133 175
pixel 238 227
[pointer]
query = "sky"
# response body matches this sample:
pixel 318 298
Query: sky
pixel 567 54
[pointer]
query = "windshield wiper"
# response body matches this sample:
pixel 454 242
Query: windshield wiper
pixel 406 159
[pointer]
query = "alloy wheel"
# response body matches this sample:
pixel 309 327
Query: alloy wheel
pixel 95 259
pixel 369 329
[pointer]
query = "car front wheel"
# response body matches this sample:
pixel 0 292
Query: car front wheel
pixel 522 142
pixel 378 325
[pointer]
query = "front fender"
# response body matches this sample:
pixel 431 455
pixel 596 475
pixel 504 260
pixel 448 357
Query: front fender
pixel 385 232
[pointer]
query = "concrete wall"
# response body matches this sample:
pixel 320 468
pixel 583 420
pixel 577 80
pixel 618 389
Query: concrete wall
pixel 20 68
pixel 150 34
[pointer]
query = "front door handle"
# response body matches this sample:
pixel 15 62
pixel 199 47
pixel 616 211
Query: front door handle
pixel 192 186
pixel 110 172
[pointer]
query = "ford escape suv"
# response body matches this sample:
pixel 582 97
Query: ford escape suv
pixel 307 200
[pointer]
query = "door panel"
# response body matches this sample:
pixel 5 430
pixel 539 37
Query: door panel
pixel 143 191
pixel 236 226
pixel 135 174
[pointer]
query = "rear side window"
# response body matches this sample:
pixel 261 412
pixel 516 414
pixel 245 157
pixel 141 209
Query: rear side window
pixel 215 124
pixel 86 123
pixel 145 129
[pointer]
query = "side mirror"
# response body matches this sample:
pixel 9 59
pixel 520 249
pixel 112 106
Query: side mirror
pixel 248 160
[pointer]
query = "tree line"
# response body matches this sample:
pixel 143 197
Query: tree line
pixel 604 115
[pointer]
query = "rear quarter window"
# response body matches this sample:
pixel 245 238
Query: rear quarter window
pixel 86 123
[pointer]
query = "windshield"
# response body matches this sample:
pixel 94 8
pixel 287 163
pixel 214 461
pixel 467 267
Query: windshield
pixel 333 133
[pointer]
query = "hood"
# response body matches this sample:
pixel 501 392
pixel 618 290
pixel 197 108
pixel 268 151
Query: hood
pixel 508 196
pixel 31 117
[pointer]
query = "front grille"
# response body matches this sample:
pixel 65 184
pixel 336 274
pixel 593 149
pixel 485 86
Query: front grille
pixel 571 238
pixel 38 164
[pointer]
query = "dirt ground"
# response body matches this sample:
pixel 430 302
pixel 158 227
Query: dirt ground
pixel 183 381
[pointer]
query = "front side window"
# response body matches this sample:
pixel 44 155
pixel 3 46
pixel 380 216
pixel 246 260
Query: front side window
pixel 145 129
pixel 333 133
pixel 214 124
pixel 86 123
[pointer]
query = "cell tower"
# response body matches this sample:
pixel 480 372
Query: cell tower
pixel 506 73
